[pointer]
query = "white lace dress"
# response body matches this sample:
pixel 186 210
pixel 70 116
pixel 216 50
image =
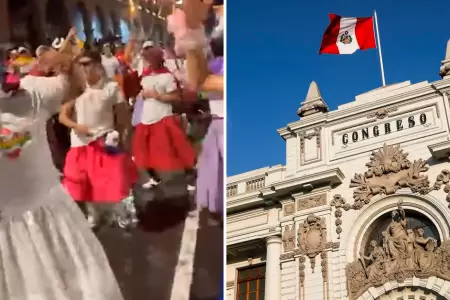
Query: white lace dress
pixel 47 250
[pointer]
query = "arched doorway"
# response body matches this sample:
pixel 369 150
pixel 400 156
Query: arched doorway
pixel 56 19
pixel 24 23
pixel 82 22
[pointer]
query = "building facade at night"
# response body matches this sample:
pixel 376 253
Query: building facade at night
pixel 359 211
pixel 35 21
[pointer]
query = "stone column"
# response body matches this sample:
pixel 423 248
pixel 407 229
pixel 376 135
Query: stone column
pixel 273 269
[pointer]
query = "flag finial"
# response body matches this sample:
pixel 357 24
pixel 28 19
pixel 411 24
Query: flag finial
pixel 444 71
pixel 313 103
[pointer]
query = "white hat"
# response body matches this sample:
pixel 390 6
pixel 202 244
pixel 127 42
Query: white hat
pixel 147 44
pixel 57 43
pixel 41 49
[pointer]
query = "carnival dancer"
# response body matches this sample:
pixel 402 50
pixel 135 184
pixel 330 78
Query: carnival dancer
pixel 12 70
pixel 110 62
pixel 97 169
pixel 189 33
pixel 25 61
pixel 159 143
pixel 48 250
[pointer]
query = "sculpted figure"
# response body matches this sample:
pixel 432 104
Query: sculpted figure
pixel 288 238
pixel 376 270
pixel 398 241
pixel 424 250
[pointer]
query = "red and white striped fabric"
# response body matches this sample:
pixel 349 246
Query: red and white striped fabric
pixel 346 35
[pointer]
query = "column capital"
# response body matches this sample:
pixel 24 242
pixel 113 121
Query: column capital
pixel 273 239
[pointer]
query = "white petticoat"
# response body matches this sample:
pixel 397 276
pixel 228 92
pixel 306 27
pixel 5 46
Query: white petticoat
pixel 50 253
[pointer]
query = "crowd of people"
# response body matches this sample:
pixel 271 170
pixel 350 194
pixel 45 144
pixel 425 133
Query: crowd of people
pixel 80 128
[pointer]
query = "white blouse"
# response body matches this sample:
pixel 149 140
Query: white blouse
pixel 153 110
pixel 95 109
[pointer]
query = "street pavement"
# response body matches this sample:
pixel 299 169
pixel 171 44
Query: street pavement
pixel 175 253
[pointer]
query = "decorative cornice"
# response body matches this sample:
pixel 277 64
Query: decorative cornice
pixel 382 113
pixel 418 95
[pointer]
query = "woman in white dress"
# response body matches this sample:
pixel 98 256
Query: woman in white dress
pixel 47 249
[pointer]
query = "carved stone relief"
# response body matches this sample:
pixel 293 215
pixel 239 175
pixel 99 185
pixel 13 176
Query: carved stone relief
pixel 312 237
pixel 324 264
pixel 311 202
pixel 302 268
pixel 303 135
pixel 339 203
pixel 289 209
pixel 289 238
pixel 382 113
pixel 443 179
pixel 402 253
pixel 388 171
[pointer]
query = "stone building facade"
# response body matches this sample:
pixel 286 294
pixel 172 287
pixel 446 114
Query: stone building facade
pixel 34 20
pixel 360 210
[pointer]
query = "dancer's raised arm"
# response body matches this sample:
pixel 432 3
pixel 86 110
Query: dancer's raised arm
pixel 50 88
pixel 187 27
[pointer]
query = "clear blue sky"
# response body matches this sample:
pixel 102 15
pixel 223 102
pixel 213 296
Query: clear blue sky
pixel 273 56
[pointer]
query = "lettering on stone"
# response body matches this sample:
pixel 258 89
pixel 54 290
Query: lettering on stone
pixel 311 202
pixel 383 129
pixel 402 254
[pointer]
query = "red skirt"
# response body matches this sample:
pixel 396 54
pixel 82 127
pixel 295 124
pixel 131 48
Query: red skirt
pixel 92 174
pixel 163 146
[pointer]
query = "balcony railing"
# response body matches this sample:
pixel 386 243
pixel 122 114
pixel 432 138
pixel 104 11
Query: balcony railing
pixel 232 190
pixel 254 181
pixel 255 185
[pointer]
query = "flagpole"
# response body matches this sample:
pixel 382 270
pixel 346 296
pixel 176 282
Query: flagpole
pixel 379 48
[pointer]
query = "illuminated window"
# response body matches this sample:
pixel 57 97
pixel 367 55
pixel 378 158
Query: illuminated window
pixel 251 283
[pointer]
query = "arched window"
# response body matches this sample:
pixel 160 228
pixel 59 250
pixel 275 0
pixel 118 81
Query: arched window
pixel 414 221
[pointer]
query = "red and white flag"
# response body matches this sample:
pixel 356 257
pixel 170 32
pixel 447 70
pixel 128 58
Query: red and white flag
pixel 346 35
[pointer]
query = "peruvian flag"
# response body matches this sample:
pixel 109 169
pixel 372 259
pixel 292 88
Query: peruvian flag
pixel 346 35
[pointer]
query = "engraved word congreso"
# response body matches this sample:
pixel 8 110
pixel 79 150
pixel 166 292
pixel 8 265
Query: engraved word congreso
pixel 383 129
